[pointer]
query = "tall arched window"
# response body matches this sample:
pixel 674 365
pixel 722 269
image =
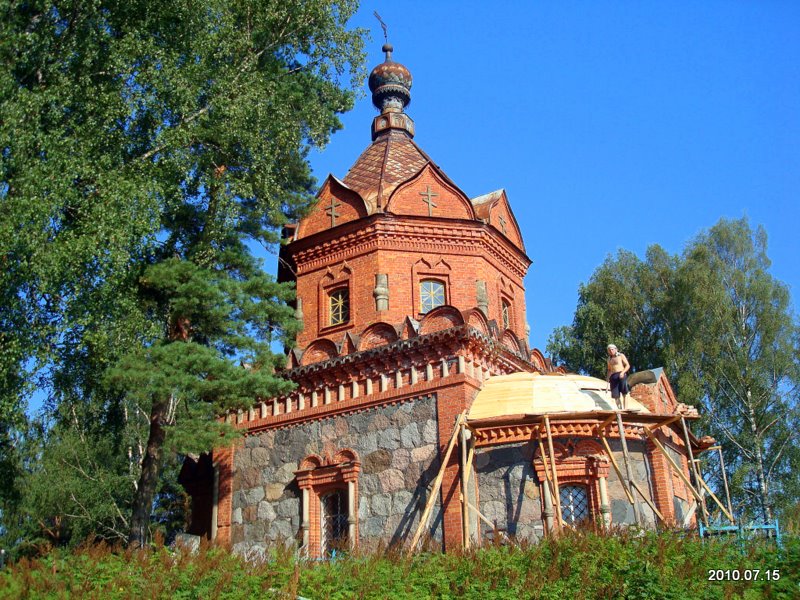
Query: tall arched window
pixel 506 315
pixel 431 295
pixel 339 309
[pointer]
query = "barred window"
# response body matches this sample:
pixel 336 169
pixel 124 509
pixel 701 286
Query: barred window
pixel 432 295
pixel 339 306
pixel 574 503
pixel 334 522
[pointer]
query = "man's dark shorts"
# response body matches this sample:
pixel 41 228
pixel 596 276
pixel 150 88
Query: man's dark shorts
pixel 619 385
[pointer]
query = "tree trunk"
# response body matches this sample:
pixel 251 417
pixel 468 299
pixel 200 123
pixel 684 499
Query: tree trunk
pixel 148 480
pixel 766 511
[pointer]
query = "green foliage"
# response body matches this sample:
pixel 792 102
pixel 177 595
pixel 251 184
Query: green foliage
pixel 145 149
pixel 724 330
pixel 577 565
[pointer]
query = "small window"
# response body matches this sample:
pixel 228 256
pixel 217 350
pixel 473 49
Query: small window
pixel 506 315
pixel 339 306
pixel 574 503
pixel 334 522
pixel 431 294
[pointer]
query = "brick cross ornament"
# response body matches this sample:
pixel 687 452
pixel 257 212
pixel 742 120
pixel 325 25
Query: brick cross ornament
pixel 331 210
pixel 429 196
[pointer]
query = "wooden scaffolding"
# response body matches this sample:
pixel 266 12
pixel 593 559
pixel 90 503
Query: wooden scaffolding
pixel 539 427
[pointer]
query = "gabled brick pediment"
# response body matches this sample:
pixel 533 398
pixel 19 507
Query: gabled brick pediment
pixel 429 194
pixel 336 204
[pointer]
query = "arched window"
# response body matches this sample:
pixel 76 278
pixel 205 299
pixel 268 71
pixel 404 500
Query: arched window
pixel 506 315
pixel 339 306
pixel 333 519
pixel 574 503
pixel 431 295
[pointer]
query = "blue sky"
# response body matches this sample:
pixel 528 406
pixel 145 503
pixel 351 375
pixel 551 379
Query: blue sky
pixel 610 124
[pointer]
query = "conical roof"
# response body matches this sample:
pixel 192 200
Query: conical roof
pixel 386 163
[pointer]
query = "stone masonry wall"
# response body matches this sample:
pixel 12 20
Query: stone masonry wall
pixel 510 492
pixel 397 446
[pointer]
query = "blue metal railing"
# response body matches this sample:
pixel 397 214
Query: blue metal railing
pixel 744 532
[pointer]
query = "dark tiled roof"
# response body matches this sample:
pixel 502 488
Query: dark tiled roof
pixel 389 161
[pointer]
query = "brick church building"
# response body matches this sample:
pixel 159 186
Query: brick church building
pixel 412 302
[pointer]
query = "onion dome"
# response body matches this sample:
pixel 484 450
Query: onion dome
pixel 390 84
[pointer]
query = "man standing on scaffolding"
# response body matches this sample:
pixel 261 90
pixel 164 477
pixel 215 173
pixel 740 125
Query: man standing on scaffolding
pixel 616 375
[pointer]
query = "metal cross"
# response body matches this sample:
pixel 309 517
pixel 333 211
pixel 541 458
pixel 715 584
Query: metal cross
pixel 331 210
pixel 429 195
pixel 502 224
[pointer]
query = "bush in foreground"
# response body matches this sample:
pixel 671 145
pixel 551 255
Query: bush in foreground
pixel 576 565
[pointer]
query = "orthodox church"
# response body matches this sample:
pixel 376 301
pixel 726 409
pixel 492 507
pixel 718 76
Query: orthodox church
pixel 420 414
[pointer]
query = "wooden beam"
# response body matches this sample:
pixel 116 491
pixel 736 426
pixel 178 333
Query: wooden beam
pixel 689 514
pixel 628 470
pixel 437 484
pixel 483 518
pixel 606 423
pixel 725 479
pixel 649 502
pixel 557 498
pixel 672 463
pixel 549 489
pixel 664 423
pixel 464 488
pixel 719 503
pixel 470 458
pixel 617 469
pixel 695 469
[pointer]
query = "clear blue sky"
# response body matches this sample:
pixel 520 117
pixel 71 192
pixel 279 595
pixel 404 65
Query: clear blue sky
pixel 610 124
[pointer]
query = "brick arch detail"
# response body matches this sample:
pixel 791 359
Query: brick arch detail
pixel 538 360
pixel 319 350
pixel 477 320
pixel 443 317
pixel 320 475
pixel 377 334
pixel 512 342
pixel 580 463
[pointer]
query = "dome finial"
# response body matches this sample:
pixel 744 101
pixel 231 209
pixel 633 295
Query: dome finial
pixel 390 84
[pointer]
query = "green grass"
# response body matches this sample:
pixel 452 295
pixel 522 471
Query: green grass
pixel 576 565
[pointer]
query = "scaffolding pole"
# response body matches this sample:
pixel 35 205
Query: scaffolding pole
pixel 695 470
pixel 626 457
pixel 437 484
pixel 724 477
pixel 557 491
pixel 683 477
pixel 467 452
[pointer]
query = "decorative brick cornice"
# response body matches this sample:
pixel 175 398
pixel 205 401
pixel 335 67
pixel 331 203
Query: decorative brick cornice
pixel 514 434
pixel 355 405
pixel 436 345
pixel 409 233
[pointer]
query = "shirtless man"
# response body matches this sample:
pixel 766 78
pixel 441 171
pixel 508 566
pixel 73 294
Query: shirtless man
pixel 617 370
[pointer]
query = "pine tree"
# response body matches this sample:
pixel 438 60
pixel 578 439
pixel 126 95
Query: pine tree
pixel 147 148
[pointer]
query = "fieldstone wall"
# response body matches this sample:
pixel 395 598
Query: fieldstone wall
pixel 397 446
pixel 621 509
pixel 509 491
